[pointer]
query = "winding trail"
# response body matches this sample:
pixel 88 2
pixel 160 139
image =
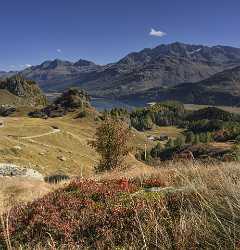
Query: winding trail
pixel 55 131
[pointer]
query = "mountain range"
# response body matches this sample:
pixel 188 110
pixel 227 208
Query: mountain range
pixel 181 71
pixel 222 88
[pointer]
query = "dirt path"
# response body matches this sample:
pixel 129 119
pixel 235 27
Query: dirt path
pixel 55 131
pixel 82 141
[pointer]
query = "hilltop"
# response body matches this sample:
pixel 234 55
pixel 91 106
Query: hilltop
pixel 21 92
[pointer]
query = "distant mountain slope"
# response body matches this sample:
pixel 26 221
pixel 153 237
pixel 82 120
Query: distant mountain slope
pixel 4 74
pixel 163 66
pixel 220 89
pixel 19 91
pixel 58 75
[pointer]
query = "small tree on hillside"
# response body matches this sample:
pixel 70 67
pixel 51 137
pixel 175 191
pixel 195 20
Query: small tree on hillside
pixel 111 143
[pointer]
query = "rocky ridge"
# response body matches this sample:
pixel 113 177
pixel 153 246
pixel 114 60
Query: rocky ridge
pixel 71 100
pixel 19 91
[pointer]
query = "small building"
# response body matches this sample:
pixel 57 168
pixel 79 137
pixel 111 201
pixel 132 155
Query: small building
pixel 151 138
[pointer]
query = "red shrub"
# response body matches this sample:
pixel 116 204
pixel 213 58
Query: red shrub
pixel 90 214
pixel 84 211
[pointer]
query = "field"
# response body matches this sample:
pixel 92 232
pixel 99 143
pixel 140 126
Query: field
pixel 226 108
pixel 172 132
pixel 57 145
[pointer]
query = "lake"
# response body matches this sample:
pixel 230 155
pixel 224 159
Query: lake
pixel 103 103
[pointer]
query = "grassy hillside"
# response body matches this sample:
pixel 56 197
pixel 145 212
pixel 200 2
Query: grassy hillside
pixel 177 204
pixel 35 143
pixel 7 97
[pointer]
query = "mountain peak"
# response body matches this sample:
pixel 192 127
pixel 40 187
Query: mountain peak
pixel 52 64
pixel 166 65
pixel 83 63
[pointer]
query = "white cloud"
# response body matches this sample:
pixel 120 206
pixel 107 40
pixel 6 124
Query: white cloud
pixel 59 50
pixel 157 33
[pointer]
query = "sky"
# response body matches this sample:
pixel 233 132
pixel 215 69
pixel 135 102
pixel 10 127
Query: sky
pixel 103 31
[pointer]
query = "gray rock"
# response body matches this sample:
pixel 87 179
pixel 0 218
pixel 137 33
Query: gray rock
pixel 11 170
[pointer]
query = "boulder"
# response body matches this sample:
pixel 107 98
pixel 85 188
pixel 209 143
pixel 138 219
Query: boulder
pixel 12 170
pixel 7 110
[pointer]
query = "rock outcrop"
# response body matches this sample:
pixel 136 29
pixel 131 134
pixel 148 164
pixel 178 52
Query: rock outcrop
pixel 6 110
pixel 23 92
pixel 69 101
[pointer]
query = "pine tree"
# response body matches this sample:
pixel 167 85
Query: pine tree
pixel 170 143
pixel 156 151
pixel 208 137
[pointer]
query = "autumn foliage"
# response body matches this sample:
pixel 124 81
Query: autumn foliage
pixel 111 142
pixel 84 214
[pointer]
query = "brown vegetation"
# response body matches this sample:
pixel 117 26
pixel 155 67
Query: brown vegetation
pixel 193 207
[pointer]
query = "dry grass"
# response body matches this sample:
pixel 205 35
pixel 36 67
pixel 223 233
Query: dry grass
pixel 44 152
pixel 170 131
pixel 207 207
pixel 199 207
pixel 18 190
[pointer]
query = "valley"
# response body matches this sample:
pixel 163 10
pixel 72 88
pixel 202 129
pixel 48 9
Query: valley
pixel 120 125
pixel 175 154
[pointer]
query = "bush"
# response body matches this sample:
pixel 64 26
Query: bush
pixel 54 179
pixel 119 214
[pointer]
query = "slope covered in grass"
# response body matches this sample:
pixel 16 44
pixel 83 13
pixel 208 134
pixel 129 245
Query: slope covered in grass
pixel 55 145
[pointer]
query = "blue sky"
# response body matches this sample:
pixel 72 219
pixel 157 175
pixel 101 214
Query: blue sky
pixel 106 30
